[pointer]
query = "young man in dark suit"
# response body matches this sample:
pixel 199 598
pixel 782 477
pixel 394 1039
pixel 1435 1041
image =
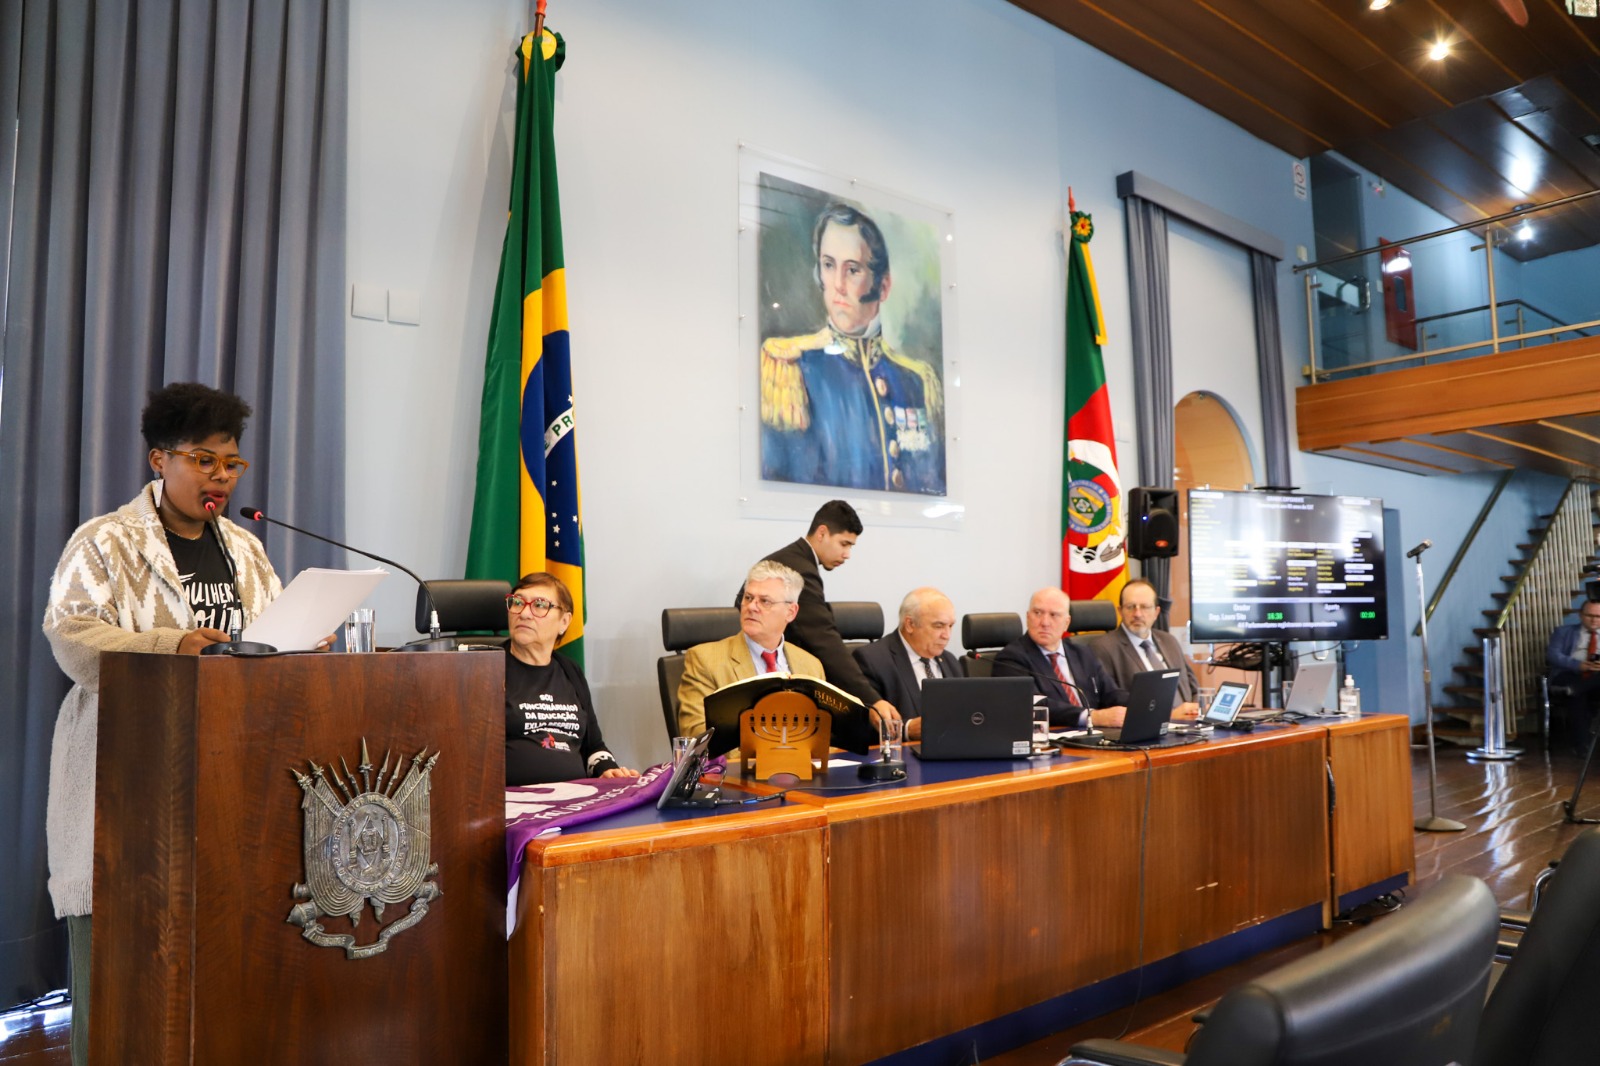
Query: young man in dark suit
pixel 914 652
pixel 1078 689
pixel 834 529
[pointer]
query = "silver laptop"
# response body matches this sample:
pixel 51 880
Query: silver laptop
pixel 1312 686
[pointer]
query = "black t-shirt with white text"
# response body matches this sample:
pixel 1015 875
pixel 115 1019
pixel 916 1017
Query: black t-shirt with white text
pixel 207 583
pixel 551 730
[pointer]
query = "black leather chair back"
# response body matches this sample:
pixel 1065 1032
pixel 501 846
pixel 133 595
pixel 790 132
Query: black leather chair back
pixel 1407 989
pixel 466 606
pixel 1540 1012
pixel 858 621
pixel 1093 616
pixel 681 629
pixel 986 633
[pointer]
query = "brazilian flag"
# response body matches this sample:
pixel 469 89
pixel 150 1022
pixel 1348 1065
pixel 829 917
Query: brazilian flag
pixel 525 513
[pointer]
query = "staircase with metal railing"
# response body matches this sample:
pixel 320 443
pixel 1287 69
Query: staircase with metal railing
pixel 1539 595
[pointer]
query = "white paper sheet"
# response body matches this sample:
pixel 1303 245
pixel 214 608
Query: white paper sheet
pixel 314 605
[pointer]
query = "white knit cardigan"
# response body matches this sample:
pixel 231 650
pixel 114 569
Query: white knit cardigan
pixel 116 589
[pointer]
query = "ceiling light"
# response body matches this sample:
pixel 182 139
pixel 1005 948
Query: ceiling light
pixel 1521 174
pixel 1439 50
pixel 1525 231
pixel 1379 5
pixel 1584 8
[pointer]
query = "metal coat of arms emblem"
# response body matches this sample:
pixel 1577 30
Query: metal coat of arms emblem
pixel 366 841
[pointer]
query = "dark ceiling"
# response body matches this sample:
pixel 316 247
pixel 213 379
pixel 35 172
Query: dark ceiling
pixel 1500 122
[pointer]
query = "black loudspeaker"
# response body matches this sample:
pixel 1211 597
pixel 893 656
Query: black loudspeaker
pixel 1152 523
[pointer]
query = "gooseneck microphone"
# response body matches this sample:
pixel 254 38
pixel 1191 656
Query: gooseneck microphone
pixel 235 644
pixel 434 642
pixel 1419 549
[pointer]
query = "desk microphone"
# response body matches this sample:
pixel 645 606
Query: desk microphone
pixel 235 644
pixel 434 642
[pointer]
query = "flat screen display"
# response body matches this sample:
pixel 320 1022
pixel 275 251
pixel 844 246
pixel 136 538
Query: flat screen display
pixel 1282 566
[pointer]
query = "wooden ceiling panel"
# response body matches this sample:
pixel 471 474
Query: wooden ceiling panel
pixel 1309 75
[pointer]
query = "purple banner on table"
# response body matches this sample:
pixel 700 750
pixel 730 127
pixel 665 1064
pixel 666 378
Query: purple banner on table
pixel 535 809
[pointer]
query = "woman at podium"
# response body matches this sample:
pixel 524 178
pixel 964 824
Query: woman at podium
pixel 552 733
pixel 155 575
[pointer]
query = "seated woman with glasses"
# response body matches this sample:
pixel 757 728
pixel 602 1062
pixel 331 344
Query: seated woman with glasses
pixel 552 733
pixel 149 577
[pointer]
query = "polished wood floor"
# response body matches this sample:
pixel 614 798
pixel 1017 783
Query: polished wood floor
pixel 1514 828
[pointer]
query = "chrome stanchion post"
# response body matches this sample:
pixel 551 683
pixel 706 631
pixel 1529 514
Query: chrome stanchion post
pixel 1433 823
pixel 1494 705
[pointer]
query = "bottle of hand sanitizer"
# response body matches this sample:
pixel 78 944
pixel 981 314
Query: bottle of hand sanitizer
pixel 1350 698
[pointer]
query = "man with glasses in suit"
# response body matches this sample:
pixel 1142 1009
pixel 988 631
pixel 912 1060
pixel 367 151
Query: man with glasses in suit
pixel 1137 646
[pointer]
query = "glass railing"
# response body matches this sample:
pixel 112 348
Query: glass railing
pixel 1514 281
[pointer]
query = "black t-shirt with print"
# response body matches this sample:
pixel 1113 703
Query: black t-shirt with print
pixel 207 582
pixel 551 731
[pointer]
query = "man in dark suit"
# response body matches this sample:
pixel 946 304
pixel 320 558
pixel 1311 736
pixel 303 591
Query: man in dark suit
pixel 1136 646
pixel 900 662
pixel 1573 655
pixel 834 530
pixel 1072 681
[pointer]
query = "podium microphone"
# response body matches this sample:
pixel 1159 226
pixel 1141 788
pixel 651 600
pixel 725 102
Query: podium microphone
pixel 434 641
pixel 235 644
pixel 1419 549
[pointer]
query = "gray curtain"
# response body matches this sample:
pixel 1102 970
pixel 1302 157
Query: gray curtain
pixel 1149 294
pixel 178 214
pixel 1269 364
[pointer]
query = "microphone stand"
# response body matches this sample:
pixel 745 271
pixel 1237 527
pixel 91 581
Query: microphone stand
pixel 433 641
pixel 1433 823
pixel 235 644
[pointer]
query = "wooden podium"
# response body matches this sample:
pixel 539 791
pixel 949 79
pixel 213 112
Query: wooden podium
pixel 200 843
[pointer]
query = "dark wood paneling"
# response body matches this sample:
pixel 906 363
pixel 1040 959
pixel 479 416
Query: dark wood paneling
pixel 199 844
pixel 1317 74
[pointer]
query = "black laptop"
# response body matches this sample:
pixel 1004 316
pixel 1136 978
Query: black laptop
pixel 1149 707
pixel 976 718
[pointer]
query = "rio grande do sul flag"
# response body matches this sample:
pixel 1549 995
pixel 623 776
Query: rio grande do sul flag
pixel 525 510
pixel 1094 520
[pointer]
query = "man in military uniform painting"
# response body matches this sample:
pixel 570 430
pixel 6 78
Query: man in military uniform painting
pixel 839 406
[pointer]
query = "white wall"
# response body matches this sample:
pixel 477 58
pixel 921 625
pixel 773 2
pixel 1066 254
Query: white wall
pixel 970 104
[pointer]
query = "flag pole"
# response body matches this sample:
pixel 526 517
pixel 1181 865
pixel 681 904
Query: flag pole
pixel 538 18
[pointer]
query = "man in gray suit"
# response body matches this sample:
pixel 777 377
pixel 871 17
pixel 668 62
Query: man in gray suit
pixel 1135 646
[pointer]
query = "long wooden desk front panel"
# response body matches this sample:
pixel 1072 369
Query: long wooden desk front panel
pixel 845 927
pixel 674 941
pixel 1373 839
pixel 1026 888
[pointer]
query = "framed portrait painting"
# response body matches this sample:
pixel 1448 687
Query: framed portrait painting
pixel 847 303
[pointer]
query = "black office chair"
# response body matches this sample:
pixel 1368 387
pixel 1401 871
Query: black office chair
pixel 859 621
pixel 473 605
pixel 1092 616
pixel 1405 991
pixel 984 634
pixel 681 629
pixel 1539 1012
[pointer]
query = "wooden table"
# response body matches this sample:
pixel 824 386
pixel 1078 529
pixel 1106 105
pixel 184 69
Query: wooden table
pixel 845 927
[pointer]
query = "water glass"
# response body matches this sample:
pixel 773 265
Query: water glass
pixel 358 629
pixel 1041 729
pixel 891 734
pixel 681 746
